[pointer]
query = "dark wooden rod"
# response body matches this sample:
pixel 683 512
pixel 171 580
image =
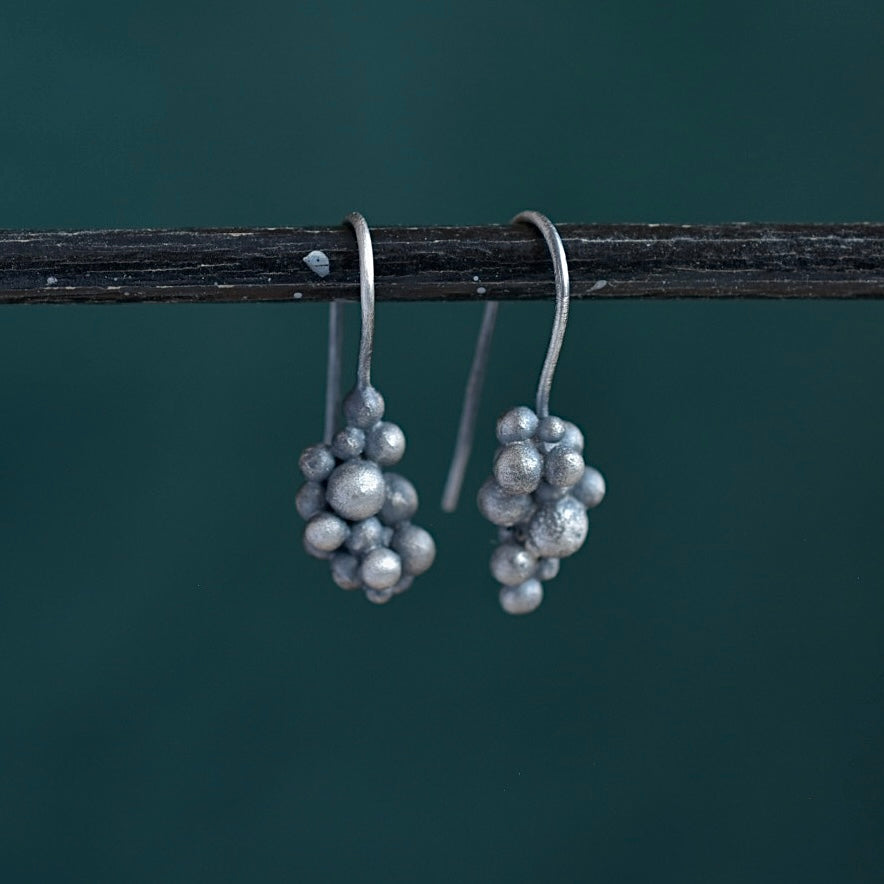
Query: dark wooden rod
pixel 443 263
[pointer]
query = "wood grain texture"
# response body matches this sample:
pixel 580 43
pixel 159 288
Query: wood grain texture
pixel 443 263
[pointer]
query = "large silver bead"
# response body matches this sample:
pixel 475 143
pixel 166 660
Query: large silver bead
pixel 363 408
pixel 385 443
pixel 415 547
pixel 310 500
pixel 573 438
pixel 400 501
pixel 557 529
pixel 516 425
pixel 502 508
pixel 512 564
pixel 590 490
pixel 563 467
pixel 365 535
pixel 326 531
pixel 316 463
pixel 345 570
pixel 356 489
pixel 348 443
pixel 381 569
pixel 518 467
pixel 521 599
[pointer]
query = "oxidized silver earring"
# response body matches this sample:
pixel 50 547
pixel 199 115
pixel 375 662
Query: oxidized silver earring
pixel 541 487
pixel 358 516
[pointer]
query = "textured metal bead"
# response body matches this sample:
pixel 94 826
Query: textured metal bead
pixel 518 467
pixel 326 531
pixel 356 489
pixel 385 444
pixel 590 490
pixel 563 467
pixel 516 425
pixel 512 564
pixel 363 408
pixel 557 529
pixel 381 569
pixel 521 599
pixel 310 500
pixel 348 443
pixel 315 551
pixel 551 429
pixel 502 508
pixel 400 499
pixel 366 536
pixel 345 570
pixel 415 548
pixel 547 569
pixel 573 438
pixel 316 463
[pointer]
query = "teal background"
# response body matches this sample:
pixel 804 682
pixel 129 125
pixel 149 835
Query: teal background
pixel 185 694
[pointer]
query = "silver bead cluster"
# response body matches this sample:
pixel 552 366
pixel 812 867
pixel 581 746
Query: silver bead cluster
pixel 538 496
pixel 358 516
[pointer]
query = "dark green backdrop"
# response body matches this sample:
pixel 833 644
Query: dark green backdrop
pixel 186 696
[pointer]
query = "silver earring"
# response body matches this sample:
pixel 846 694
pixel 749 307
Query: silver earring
pixel 358 516
pixel 541 487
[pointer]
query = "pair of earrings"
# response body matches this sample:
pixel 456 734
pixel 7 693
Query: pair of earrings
pixel 359 515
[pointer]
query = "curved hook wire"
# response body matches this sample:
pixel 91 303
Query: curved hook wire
pixel 336 328
pixel 466 428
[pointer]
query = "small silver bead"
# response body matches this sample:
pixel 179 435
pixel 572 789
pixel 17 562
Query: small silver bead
pixel 316 463
pixel 521 599
pixel 551 429
pixel 516 425
pixel 504 535
pixel 563 467
pixel 502 508
pixel 590 490
pixel 326 531
pixel 345 570
pixel 415 547
pixel 366 535
pixel 363 408
pixel 400 502
pixel 557 529
pixel 518 467
pixel 310 500
pixel 379 596
pixel 385 444
pixel 356 489
pixel 387 535
pixel 315 551
pixel 402 585
pixel 573 438
pixel 512 564
pixel 546 492
pixel 547 569
pixel 348 443
pixel 381 569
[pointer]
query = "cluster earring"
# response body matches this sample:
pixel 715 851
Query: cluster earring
pixel 541 487
pixel 359 515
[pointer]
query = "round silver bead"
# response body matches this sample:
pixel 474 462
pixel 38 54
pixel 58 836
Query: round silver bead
pixel 316 463
pixel 573 438
pixel 356 489
pixel 512 564
pixel 590 490
pixel 547 569
pixel 521 599
pixel 518 467
pixel 402 585
pixel 345 570
pixel 310 500
pixel 348 443
pixel 365 535
pixel 363 408
pixel 381 569
pixel 315 551
pixel 385 443
pixel 415 547
pixel 516 425
pixel 400 501
pixel 502 508
pixel 557 529
pixel 563 467
pixel 326 531
pixel 379 596
pixel 546 492
pixel 551 429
